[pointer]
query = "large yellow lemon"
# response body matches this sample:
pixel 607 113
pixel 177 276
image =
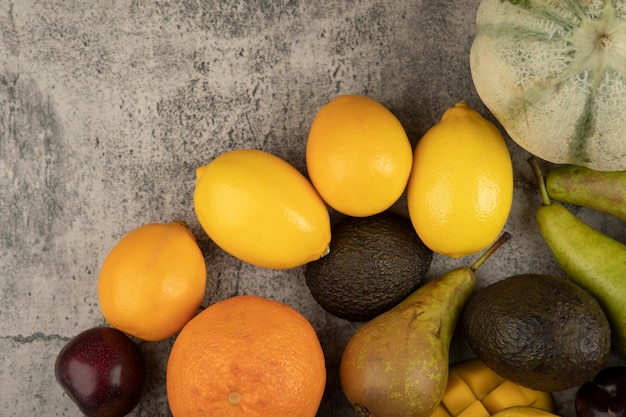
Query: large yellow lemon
pixel 358 156
pixel 461 185
pixel 262 210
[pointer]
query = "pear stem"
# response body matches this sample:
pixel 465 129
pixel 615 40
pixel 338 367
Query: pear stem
pixel 545 198
pixel 501 240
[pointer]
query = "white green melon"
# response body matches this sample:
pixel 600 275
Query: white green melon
pixel 553 72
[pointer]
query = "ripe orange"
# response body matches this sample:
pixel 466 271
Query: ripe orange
pixel 153 281
pixel 262 210
pixel 246 356
pixel 358 156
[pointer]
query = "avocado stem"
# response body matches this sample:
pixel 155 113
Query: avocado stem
pixel 501 240
pixel 545 198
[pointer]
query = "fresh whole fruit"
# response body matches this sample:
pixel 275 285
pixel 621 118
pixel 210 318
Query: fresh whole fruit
pixel 358 155
pixel 589 258
pixel 102 371
pixel 396 365
pixel 262 210
pixel 604 395
pixel 373 264
pixel 246 356
pixel 542 332
pixel 475 390
pixel 551 72
pixel 461 187
pixel 604 191
pixel 152 281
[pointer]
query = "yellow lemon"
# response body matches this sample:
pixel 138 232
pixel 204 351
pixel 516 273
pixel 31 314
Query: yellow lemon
pixel 262 210
pixel 461 186
pixel 358 156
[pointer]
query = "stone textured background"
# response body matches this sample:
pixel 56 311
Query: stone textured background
pixel 107 108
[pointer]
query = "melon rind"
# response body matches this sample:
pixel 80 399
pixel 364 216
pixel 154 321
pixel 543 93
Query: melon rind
pixel 553 73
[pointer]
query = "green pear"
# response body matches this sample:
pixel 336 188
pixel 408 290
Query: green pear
pixel 396 365
pixel 588 257
pixel 600 190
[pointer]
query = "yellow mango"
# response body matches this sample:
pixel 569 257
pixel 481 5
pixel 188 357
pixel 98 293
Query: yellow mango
pixel 522 411
pixel 474 390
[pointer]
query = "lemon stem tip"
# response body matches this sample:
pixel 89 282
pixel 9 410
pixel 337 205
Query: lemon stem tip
pixel 182 223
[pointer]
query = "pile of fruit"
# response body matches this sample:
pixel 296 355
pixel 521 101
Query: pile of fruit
pixel 248 355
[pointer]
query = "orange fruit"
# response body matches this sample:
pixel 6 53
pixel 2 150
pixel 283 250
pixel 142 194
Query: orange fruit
pixel 246 356
pixel 460 191
pixel 358 156
pixel 153 281
pixel 262 210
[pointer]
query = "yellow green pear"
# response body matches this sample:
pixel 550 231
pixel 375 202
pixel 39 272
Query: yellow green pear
pixel 604 191
pixel 588 257
pixel 396 365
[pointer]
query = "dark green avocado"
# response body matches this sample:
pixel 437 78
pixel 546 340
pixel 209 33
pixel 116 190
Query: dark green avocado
pixel 374 263
pixel 543 332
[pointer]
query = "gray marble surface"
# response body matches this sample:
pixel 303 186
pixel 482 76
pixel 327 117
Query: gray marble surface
pixel 107 108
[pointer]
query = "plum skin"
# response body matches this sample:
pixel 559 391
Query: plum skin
pixel 103 371
pixel 604 395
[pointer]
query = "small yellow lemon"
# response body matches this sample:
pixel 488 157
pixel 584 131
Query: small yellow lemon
pixel 461 186
pixel 153 281
pixel 358 156
pixel 262 210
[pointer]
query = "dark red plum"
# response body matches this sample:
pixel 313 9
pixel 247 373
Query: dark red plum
pixel 103 371
pixel 604 395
